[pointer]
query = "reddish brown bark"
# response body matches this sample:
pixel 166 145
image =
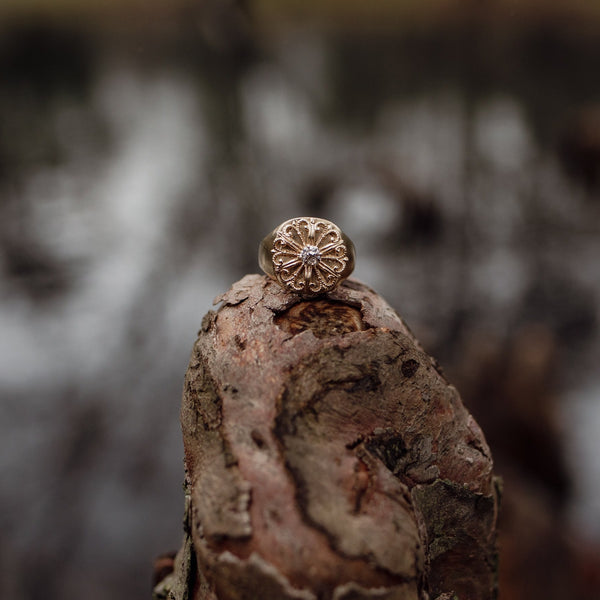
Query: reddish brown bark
pixel 328 458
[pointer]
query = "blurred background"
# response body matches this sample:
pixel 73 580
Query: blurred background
pixel 146 149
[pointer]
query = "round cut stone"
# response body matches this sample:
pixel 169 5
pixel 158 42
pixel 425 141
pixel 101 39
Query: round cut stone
pixel 310 255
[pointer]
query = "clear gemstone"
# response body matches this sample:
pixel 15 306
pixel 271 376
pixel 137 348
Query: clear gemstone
pixel 310 255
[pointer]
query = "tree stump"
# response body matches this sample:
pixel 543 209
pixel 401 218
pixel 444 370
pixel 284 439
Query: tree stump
pixel 327 457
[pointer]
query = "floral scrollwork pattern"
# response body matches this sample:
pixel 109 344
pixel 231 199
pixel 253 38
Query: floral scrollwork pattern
pixel 309 255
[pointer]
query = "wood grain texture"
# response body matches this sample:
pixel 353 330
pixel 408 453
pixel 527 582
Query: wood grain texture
pixel 328 458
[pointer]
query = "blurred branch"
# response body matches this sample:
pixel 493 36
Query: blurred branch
pixel 387 14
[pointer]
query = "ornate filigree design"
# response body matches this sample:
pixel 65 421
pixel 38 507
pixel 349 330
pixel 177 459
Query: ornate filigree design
pixel 309 255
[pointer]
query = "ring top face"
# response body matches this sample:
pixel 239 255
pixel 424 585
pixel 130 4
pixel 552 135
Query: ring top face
pixel 310 256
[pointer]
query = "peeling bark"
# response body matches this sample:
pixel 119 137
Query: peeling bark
pixel 328 458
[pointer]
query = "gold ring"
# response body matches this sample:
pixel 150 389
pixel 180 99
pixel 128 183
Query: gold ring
pixel 307 256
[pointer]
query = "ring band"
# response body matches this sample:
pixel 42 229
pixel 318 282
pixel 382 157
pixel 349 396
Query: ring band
pixel 307 256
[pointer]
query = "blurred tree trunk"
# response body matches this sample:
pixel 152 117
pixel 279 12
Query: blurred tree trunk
pixel 327 457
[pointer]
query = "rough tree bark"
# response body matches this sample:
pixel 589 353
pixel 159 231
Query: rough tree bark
pixel 328 458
